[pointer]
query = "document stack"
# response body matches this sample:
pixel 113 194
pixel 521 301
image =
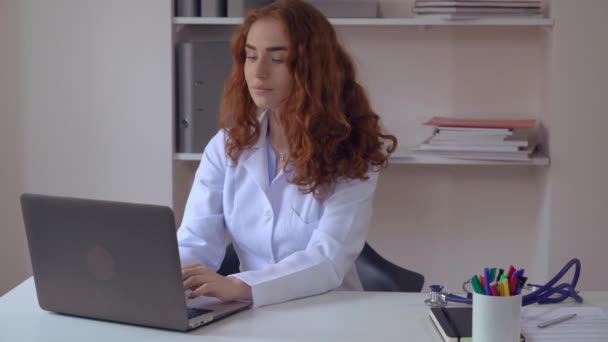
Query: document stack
pixel 470 9
pixel 471 139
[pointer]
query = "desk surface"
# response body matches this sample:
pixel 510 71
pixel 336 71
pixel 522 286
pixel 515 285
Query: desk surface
pixel 334 316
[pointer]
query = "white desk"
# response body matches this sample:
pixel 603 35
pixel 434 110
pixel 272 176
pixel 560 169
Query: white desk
pixel 335 316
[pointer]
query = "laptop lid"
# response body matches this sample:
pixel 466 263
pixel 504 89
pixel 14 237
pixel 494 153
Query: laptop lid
pixel 108 260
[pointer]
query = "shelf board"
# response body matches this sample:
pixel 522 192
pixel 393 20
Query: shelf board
pixel 545 22
pixel 538 159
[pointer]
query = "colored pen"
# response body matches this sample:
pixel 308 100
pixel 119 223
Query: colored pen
pixel 477 285
pixel 492 274
pixel 500 272
pixel 494 289
pixel 556 320
pixel 511 271
pixel 488 280
pixel 512 284
pixel 505 288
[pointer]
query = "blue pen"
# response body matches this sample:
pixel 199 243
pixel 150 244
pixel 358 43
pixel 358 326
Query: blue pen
pixel 487 281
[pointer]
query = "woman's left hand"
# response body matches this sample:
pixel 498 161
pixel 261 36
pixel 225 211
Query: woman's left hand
pixel 204 282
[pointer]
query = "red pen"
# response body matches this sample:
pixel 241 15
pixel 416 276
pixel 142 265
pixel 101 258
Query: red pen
pixel 493 289
pixel 511 271
pixel 512 284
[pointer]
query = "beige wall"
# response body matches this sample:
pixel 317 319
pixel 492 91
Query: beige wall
pixel 14 264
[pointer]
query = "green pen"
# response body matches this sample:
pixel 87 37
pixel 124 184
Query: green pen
pixel 477 285
pixel 492 274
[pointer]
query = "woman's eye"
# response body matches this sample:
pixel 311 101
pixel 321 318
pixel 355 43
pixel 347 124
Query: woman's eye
pixel 277 60
pixel 252 58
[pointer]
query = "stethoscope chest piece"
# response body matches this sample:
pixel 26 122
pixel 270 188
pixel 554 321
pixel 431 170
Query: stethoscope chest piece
pixel 436 300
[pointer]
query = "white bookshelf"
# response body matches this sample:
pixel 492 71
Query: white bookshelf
pixel 537 159
pixel 542 22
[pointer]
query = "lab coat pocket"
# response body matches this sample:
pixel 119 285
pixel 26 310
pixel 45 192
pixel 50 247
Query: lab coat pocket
pixel 303 224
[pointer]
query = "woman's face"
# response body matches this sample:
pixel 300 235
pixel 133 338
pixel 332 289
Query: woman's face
pixel 268 79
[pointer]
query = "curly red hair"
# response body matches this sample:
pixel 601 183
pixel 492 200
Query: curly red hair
pixel 331 129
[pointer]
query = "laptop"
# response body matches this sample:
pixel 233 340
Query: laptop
pixel 112 261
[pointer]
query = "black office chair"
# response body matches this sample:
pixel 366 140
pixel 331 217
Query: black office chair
pixel 375 272
pixel 231 263
pixel 379 274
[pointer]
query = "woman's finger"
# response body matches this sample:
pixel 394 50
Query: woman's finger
pixel 198 280
pixel 194 270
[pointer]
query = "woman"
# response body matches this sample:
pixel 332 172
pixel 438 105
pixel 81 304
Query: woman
pixel 292 173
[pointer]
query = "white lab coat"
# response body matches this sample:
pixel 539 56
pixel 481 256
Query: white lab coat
pixel 290 244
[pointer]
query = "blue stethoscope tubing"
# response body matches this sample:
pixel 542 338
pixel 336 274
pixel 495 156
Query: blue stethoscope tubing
pixel 545 294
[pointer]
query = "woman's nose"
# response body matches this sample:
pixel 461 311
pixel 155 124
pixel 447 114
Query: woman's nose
pixel 261 71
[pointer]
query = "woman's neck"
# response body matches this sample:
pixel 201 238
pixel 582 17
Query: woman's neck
pixel 277 136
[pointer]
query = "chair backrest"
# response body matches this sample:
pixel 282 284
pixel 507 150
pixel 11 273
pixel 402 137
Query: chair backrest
pixel 379 274
pixel 375 272
pixel 231 263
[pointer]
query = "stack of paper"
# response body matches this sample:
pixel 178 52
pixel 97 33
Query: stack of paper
pixel 478 139
pixel 470 9
pixel 589 325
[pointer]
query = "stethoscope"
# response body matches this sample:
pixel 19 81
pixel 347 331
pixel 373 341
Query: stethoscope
pixel 541 294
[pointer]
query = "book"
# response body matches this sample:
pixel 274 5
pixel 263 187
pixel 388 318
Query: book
pixel 455 324
pixel 427 146
pixel 502 4
pixel 445 123
pixel 490 1
pixel 473 131
pixel 476 16
pixel 474 10
pixel 517 139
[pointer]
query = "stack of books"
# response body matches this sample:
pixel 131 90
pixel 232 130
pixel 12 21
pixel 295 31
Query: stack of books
pixel 470 9
pixel 501 140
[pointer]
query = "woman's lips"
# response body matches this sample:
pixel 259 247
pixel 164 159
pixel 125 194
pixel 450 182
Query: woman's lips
pixel 261 90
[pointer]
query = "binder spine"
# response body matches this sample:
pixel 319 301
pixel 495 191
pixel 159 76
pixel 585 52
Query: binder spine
pixel 188 8
pixel 213 8
pixel 185 98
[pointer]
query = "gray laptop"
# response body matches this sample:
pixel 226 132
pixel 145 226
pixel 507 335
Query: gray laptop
pixel 112 261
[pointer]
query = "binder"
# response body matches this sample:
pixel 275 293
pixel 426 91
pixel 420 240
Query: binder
pixel 201 71
pixel 239 8
pixel 187 8
pixel 213 8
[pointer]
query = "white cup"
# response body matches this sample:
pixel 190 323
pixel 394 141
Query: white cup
pixel 495 318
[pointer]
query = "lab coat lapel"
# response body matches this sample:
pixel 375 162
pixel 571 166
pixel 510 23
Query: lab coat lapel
pixel 255 159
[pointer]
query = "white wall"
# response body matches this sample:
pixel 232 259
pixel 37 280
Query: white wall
pixel 14 264
pixel 89 85
pixel 97 98
pixel 579 117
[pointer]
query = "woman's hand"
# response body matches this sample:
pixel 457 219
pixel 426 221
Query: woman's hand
pixel 204 282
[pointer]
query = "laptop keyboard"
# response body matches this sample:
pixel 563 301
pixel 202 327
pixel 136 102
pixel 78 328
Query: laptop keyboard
pixel 193 312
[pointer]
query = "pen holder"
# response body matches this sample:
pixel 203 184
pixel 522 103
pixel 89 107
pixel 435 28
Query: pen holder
pixel 496 318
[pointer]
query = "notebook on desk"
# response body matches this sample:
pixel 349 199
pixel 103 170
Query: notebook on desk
pixel 455 324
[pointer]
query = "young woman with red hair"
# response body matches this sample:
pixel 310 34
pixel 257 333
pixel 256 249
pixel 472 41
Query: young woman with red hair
pixel 292 173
